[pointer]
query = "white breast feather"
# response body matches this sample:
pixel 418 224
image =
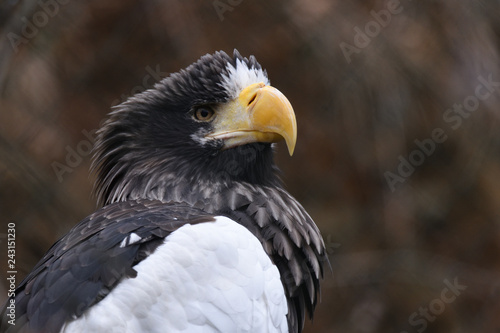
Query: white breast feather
pixel 208 277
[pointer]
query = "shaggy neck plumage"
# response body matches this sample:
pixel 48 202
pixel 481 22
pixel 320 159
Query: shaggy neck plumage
pixel 129 168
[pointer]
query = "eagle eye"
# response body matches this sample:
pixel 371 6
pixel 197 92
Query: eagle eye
pixel 204 114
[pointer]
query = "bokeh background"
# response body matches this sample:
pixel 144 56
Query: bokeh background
pixel 366 79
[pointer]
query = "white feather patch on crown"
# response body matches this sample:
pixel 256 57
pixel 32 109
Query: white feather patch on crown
pixel 241 77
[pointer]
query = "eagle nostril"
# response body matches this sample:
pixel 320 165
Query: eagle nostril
pixel 252 99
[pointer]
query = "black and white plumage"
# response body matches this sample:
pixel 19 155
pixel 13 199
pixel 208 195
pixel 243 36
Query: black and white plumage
pixel 196 233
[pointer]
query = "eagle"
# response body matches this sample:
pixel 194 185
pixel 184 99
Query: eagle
pixel 196 232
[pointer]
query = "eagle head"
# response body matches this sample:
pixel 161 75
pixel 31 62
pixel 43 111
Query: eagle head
pixel 214 121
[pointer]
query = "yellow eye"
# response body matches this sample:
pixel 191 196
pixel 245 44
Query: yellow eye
pixel 203 114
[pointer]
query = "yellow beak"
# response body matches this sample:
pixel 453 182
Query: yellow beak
pixel 260 114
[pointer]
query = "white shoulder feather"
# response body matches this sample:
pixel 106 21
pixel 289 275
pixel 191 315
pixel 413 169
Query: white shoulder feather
pixel 208 277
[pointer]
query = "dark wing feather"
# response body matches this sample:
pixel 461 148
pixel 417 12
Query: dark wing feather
pixel 288 235
pixel 86 264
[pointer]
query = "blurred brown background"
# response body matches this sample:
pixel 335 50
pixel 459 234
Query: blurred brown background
pixel 398 149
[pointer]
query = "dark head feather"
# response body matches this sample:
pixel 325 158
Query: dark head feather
pixel 148 139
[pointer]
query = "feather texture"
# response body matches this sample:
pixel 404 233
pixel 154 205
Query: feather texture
pixel 207 277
